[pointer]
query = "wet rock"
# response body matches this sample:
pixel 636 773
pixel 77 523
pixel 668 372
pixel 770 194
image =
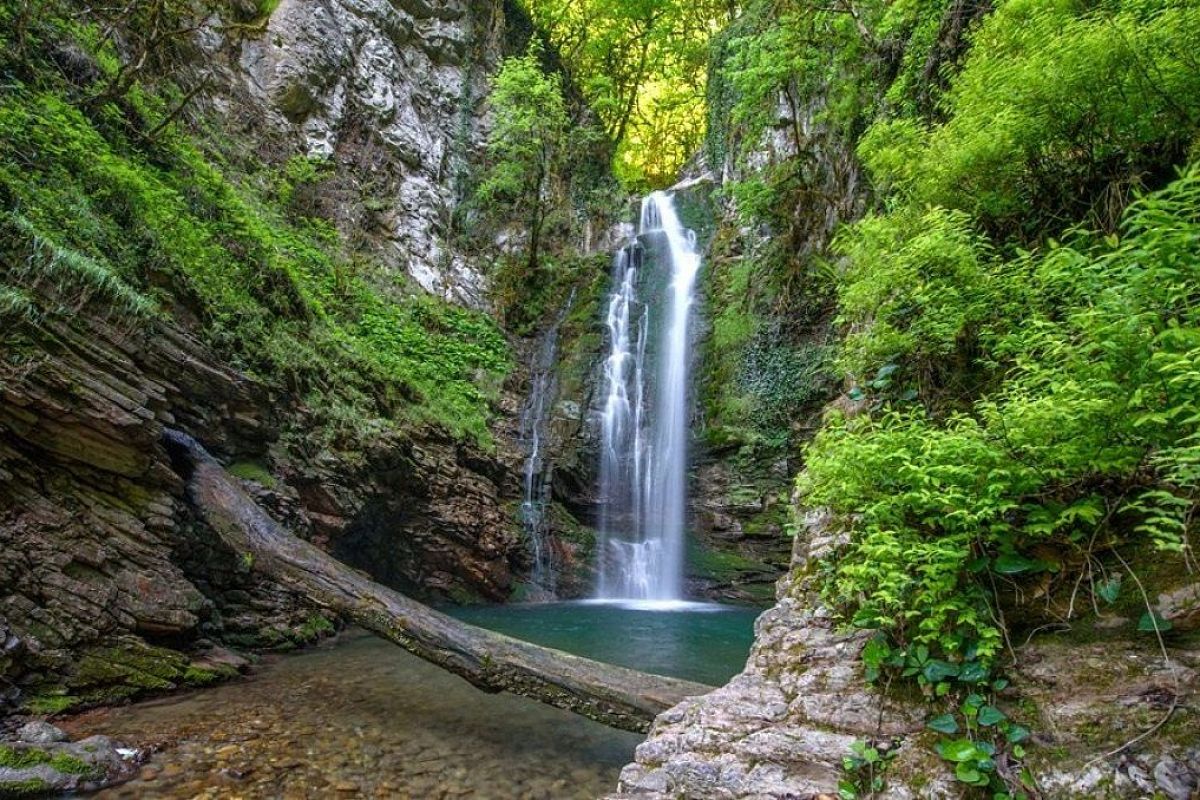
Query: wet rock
pixel 52 767
pixel 40 732
pixel 1181 607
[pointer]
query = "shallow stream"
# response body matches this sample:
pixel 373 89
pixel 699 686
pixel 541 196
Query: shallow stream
pixel 359 717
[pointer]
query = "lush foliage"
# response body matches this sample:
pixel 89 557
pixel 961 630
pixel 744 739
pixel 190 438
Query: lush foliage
pixel 917 287
pixel 526 144
pixel 1061 111
pixel 1031 410
pixel 96 208
pixel 641 67
pixel 825 60
pixel 539 193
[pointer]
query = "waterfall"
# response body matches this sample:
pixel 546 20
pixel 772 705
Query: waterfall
pixel 535 420
pixel 644 422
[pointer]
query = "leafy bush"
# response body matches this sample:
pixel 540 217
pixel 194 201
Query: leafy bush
pixel 1061 109
pixel 916 287
pixel 1092 438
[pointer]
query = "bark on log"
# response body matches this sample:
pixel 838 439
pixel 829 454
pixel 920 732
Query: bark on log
pixel 617 696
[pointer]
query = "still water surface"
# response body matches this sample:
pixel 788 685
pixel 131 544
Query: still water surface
pixel 362 718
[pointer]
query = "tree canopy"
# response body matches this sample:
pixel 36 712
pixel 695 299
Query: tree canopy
pixel 641 65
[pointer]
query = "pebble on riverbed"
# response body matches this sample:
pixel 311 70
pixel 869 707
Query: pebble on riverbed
pixel 41 761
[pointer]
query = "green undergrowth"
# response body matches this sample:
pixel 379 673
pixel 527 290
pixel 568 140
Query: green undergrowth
pixel 163 228
pixel 30 787
pixel 760 376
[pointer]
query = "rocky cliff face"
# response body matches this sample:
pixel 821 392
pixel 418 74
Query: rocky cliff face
pixel 106 573
pixel 388 93
pixel 109 585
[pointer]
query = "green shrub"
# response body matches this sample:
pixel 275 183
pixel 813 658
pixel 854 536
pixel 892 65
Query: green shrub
pixel 1106 363
pixel 1060 109
pixel 915 289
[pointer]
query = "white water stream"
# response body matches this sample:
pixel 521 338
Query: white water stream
pixel 644 431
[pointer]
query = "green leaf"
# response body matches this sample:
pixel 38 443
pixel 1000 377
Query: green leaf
pixel 1151 622
pixel 973 672
pixel 968 774
pixel 1017 733
pixel 1013 564
pixel 990 715
pixel 936 670
pixel 958 750
pixel 876 652
pixel 1109 590
pixel 943 724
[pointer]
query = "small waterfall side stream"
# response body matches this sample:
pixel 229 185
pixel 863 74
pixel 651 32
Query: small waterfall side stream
pixel 644 422
pixel 535 421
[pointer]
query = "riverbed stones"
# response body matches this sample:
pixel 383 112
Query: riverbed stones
pixel 372 717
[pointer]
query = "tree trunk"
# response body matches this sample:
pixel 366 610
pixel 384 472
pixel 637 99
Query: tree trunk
pixel 616 696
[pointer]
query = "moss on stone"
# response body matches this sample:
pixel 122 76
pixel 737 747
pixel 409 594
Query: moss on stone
pixel 252 471
pixel 49 703
pixel 26 757
pixel 69 764
pixel 21 759
pixel 722 565
pixel 30 787
pixel 196 675
pixel 315 627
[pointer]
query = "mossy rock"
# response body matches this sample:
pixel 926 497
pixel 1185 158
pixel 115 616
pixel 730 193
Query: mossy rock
pixel 29 787
pixel 26 757
pixel 723 565
pixel 253 471
pixel 198 675
pixel 49 703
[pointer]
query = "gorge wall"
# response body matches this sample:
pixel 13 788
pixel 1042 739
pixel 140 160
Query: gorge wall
pixel 110 586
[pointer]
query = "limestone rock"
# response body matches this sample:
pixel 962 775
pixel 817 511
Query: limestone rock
pixel 781 728
pixel 389 93
pixel 40 732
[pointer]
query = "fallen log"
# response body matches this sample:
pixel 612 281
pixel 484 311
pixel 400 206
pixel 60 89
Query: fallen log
pixel 617 696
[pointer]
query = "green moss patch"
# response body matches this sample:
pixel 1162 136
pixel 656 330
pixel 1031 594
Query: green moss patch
pixel 26 757
pixel 252 471
pixel 31 787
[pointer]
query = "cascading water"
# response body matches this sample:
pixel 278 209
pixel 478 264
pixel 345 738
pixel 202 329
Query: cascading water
pixel 535 419
pixel 644 424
